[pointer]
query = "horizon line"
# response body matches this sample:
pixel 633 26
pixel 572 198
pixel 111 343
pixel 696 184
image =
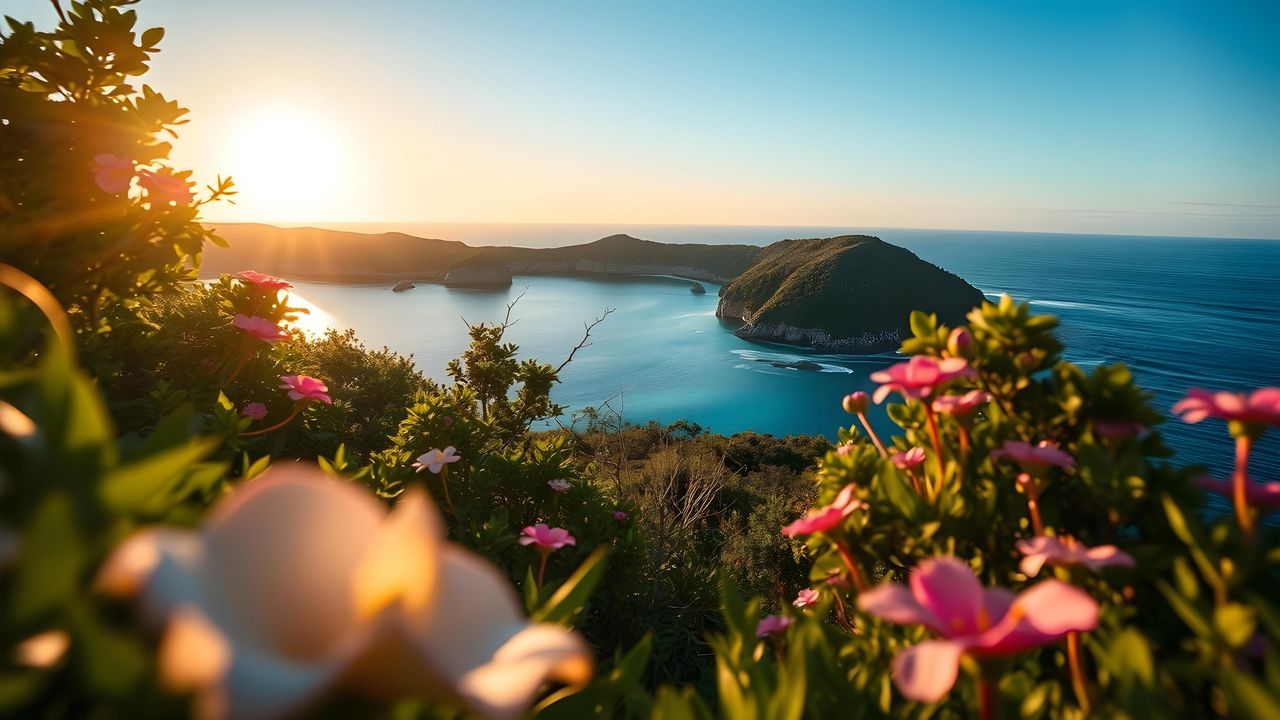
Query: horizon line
pixel 319 225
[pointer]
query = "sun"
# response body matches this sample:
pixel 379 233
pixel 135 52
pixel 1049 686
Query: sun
pixel 288 164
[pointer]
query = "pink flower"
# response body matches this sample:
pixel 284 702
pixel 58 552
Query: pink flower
pixel 772 625
pixel 1068 552
pixel 266 282
pixel 1261 407
pixel 844 449
pixel 959 342
pixel 856 403
pixel 919 377
pixel 619 516
pixel 909 459
pixel 1261 494
pixel 1118 428
pixel 164 188
pixel 837 580
pixel 303 388
pixel 1034 456
pixel 964 404
pixel 254 410
pixel 945 596
pixel 546 538
pixel 112 173
pixel 559 485
pixel 806 598
pixel 827 518
pixel 262 329
pixel 435 459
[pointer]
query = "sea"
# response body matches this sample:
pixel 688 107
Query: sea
pixel 1179 312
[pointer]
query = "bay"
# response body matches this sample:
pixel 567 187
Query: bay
pixel 1180 312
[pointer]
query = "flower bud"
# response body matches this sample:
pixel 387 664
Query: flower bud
pixel 856 403
pixel 959 342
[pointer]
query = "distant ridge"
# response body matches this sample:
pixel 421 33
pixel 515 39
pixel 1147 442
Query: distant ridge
pixel 339 256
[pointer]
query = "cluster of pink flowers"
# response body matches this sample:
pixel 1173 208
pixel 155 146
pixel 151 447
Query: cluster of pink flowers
pixel 114 174
pixel 1248 417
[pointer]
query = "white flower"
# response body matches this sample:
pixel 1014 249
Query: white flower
pixel 559 485
pixel 436 459
pixel 298 584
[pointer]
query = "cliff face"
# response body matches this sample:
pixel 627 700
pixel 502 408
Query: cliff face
pixel 851 294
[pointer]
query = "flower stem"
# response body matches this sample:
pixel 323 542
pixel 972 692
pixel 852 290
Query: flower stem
pixel 239 367
pixel 855 573
pixel 542 567
pixel 1240 487
pixel 444 483
pixel 1077 671
pixel 1033 505
pixel 297 408
pixel 937 445
pixel 986 697
pixel 871 433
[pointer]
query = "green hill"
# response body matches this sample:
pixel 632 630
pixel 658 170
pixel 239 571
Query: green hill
pixel 853 293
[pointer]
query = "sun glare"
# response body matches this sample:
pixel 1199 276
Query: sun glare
pixel 287 165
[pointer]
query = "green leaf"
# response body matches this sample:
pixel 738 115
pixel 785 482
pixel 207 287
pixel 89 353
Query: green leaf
pixel 152 37
pixel 923 324
pixel 114 662
pixel 48 568
pixel 125 488
pixel 1234 623
pixel 1248 697
pixel 571 597
pixel 1130 657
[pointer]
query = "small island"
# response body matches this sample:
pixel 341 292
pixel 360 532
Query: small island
pixel 402 286
pixel 698 288
pixel 848 294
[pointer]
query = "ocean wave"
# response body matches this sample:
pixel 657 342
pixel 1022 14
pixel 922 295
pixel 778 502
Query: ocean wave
pixel 1071 305
pixel 765 360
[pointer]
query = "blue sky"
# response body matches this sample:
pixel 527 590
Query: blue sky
pixel 1081 116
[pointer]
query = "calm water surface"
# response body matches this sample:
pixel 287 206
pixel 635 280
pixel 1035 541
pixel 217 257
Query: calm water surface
pixel 1180 312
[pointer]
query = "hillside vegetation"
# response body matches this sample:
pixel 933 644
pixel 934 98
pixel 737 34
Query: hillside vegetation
pixel 843 287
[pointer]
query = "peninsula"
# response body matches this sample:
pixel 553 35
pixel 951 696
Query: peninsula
pixel 849 294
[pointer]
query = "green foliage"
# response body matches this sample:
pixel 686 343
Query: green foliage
pixel 854 286
pixel 67 96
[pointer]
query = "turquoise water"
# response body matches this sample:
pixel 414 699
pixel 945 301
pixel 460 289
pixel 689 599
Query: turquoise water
pixel 1180 312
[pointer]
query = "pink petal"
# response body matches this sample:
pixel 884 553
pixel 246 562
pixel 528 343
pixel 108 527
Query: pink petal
pixel 950 590
pixel 894 603
pixel 1107 555
pixel 926 672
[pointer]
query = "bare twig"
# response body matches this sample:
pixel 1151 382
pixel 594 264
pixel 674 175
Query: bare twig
pixel 586 335
pixel 506 320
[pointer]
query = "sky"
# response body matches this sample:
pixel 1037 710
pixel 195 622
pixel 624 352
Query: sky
pixel 1117 116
